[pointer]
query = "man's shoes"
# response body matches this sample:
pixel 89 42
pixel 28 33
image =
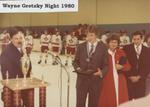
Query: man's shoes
pixel 39 62
pixel 45 61
pixel 54 63
pixel 66 64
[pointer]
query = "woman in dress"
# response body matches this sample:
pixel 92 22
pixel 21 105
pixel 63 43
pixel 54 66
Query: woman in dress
pixel 114 89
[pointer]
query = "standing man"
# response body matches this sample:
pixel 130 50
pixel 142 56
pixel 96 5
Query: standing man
pixel 91 63
pixel 10 60
pixel 10 57
pixel 44 42
pixel 71 44
pixel 138 56
pixel 5 39
pixel 28 42
pixel 56 46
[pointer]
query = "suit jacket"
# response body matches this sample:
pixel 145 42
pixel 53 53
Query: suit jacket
pixel 10 60
pixel 99 59
pixel 138 66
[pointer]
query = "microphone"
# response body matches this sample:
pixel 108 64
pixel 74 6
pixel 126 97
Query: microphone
pixel 58 57
pixel 68 81
pixel 53 55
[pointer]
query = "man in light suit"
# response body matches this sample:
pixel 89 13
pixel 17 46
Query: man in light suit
pixel 90 64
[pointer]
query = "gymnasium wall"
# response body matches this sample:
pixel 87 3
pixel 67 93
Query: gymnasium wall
pixel 90 11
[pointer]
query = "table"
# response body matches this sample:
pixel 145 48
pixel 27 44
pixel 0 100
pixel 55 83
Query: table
pixel 13 88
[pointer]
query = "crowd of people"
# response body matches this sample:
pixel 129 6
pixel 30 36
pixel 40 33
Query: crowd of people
pixel 113 75
pixel 110 70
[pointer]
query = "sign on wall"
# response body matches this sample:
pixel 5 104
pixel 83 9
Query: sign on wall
pixel 19 6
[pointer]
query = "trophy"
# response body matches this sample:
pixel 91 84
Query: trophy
pixel 25 65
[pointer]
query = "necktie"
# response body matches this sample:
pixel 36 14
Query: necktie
pixel 91 50
pixel 137 54
pixel 137 51
pixel 21 52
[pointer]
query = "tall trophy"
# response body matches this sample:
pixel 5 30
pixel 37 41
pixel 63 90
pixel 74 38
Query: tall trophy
pixel 25 65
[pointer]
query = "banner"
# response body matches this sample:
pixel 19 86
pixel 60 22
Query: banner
pixel 29 6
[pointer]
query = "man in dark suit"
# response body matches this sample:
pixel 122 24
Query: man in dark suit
pixel 10 58
pixel 91 63
pixel 138 56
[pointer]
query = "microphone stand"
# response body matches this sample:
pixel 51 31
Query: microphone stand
pixel 68 79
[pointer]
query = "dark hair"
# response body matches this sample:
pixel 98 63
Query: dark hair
pixel 113 37
pixel 13 31
pixel 92 29
pixel 107 32
pixel 147 37
pixel 137 33
pixel 123 31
